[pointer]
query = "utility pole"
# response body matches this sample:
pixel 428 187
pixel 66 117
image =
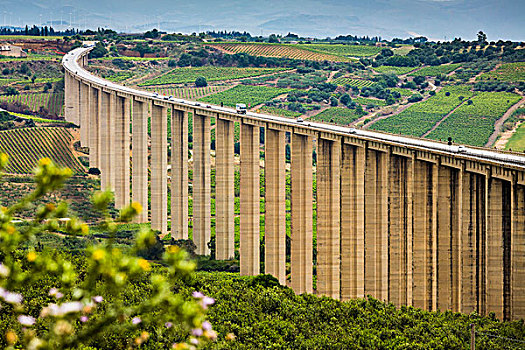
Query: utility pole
pixel 472 337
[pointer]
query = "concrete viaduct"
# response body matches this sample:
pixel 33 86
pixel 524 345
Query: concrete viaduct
pixel 410 221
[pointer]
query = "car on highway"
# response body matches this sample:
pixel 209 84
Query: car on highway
pixel 240 108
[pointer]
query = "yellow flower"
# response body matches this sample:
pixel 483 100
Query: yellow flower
pixel 137 207
pixel 31 256
pixel 10 230
pixel 173 249
pixel 99 254
pixel 84 229
pixel 45 161
pixel 11 337
pixel 144 264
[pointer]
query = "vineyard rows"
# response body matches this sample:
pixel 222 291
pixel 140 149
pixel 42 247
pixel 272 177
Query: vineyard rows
pixel 247 94
pixel 280 112
pixel 434 71
pixel 54 102
pixel 337 115
pixel 474 123
pixel 191 93
pixel 512 72
pixel 341 50
pixel 421 117
pixel 360 83
pixel 26 146
pixel 279 50
pixel 366 101
pixel 211 73
pixel 394 70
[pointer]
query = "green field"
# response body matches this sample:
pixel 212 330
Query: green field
pixel 247 94
pixel 337 115
pixel 394 70
pixel 473 124
pixel 517 140
pixel 279 112
pixel 211 73
pixel 366 101
pixel 191 93
pixel 342 50
pixel 509 72
pixel 53 102
pixel 26 146
pixel 352 82
pixel 421 117
pixel 434 71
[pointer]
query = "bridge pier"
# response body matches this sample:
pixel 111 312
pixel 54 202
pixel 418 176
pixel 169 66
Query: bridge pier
pixel 139 176
pixel 84 114
pixel 224 192
pixel 352 221
pixel 179 174
pixel 328 217
pixel 301 260
pixel 94 127
pixel 376 224
pixel 159 168
pixel 122 164
pixel 249 228
pixel 275 201
pixel 517 287
pixel 201 183
pixel 107 144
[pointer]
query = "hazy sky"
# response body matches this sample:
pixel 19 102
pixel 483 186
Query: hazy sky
pixel 436 19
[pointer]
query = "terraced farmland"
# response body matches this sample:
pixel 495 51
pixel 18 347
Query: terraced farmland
pixel 250 95
pixel 54 102
pixel 367 101
pixel 510 72
pixel 279 112
pixel 342 50
pixel 434 71
pixel 26 146
pixel 473 124
pixel 360 83
pixel 191 93
pixel 279 50
pixel 394 70
pixel 211 73
pixel 421 117
pixel 337 115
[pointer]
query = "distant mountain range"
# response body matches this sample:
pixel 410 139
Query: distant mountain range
pixel 435 19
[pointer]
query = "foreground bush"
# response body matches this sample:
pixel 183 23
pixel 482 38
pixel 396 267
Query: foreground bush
pixel 50 300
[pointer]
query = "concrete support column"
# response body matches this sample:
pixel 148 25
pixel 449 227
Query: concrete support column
pixel 94 128
pixel 249 201
pixel 201 183
pixel 352 222
pixel 75 111
pixel 225 194
pixel 497 236
pixel 376 225
pixel 424 197
pixel 67 96
pixel 107 137
pixel 400 216
pixel 139 181
pixel 122 120
pixel 302 211
pixel 470 234
pixel 179 174
pixel 159 168
pixel 275 218
pixel 84 114
pixel 447 239
pixel 328 217
pixel 518 253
